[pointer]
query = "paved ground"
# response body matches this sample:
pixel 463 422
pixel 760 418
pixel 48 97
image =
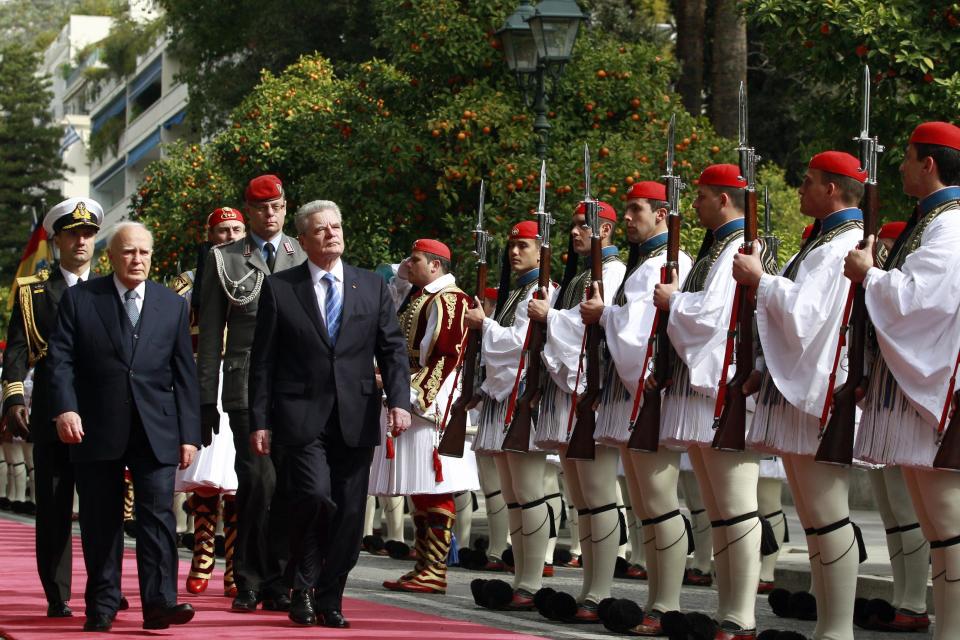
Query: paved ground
pixel 792 573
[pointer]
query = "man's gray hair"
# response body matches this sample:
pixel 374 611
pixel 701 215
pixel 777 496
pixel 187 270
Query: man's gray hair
pixel 122 227
pixel 312 207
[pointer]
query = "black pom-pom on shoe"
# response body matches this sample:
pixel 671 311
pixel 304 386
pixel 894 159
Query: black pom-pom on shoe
pixel 497 594
pixel 802 606
pixel 779 601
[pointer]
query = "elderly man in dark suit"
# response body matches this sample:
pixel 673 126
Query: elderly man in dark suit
pixel 125 395
pixel 314 398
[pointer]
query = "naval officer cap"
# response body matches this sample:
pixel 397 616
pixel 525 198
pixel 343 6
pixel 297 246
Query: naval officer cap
pixel 73 213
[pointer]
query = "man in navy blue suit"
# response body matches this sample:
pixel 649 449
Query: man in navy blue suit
pixel 125 394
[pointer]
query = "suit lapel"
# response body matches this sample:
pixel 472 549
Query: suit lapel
pixel 254 255
pixel 56 285
pixel 149 315
pixel 107 303
pixel 350 293
pixel 286 260
pixel 308 298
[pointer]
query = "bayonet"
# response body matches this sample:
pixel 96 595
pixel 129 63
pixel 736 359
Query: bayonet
pixel 766 211
pixel 869 147
pixel 543 217
pixel 479 233
pixel 587 197
pixel 748 157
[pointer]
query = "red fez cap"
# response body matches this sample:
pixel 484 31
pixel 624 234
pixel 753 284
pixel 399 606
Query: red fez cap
pixel 490 293
pixel 840 163
pixel 263 188
pixel 943 134
pixel 606 211
pixel 807 230
pixel 525 229
pixel 224 214
pixel 892 230
pixel 435 247
pixel 723 175
pixel 647 189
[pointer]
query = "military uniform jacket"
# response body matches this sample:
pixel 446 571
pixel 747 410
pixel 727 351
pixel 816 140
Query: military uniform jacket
pixel 31 323
pixel 229 294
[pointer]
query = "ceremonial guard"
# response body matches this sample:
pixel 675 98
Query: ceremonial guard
pixel 799 315
pixel 431 315
pixel 73 224
pixel 913 308
pixel 651 477
pixel 592 483
pixel 230 290
pixel 698 331
pixel 211 479
pixel 502 344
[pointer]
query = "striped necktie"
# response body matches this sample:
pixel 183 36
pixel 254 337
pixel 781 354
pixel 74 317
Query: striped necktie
pixel 332 307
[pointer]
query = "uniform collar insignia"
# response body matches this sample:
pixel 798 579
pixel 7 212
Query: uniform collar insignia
pixel 288 247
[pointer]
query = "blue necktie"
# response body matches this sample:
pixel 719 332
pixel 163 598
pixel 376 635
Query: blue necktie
pixel 130 306
pixel 332 307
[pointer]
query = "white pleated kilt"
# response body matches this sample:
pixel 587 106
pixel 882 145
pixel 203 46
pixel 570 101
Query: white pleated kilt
pixel 490 431
pixel 411 471
pixel 779 428
pixel 553 419
pixel 554 459
pixel 891 430
pixel 613 415
pixel 685 464
pixel 686 416
pixel 213 466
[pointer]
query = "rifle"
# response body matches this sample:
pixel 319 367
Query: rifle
pixel 730 413
pixel 455 431
pixel 519 417
pixel 836 436
pixel 769 239
pixel 581 445
pixel 948 455
pixel 645 427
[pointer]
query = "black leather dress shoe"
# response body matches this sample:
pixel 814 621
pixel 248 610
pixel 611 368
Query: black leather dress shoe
pixel 124 603
pixel 58 610
pixel 163 617
pixel 333 618
pixel 301 607
pixel 98 622
pixel 276 602
pixel 245 602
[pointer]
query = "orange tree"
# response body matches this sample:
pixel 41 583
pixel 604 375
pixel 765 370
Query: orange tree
pixel 401 143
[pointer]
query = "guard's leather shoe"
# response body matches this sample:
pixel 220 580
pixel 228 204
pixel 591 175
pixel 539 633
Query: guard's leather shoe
pixel 277 602
pixel 732 631
pixel 58 610
pixel 697 578
pixel 197 585
pixel 547 570
pixel 574 563
pixel 98 622
pixel 587 613
pixel 905 620
pixel 230 592
pixel 124 603
pixel 332 618
pixel 245 602
pixel 650 626
pixel 636 572
pixel 765 586
pixel 162 617
pixel 301 608
pixel 522 601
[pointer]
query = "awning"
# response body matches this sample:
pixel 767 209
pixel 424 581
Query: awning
pixel 117 167
pixel 115 108
pixel 176 119
pixel 150 75
pixel 144 147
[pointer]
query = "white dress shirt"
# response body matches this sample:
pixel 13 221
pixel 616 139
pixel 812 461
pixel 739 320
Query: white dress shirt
pixel 73 278
pixel 320 285
pixel 122 290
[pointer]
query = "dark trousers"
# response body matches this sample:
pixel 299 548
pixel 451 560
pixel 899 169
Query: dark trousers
pixel 327 483
pixel 262 545
pixel 53 476
pixel 100 486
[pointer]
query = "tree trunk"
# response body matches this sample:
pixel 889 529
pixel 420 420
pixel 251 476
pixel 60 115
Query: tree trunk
pixel 729 66
pixel 690 16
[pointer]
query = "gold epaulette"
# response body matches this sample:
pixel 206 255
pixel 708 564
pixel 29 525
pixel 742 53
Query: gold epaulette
pixel 40 276
pixel 11 389
pixel 36 345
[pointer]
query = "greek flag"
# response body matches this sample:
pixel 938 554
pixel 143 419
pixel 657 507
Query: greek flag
pixel 70 137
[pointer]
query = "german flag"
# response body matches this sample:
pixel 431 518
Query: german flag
pixel 37 255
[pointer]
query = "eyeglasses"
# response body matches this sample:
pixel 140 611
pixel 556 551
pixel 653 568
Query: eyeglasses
pixel 276 207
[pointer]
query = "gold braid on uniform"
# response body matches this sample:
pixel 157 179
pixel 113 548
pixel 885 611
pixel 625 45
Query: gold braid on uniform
pixel 36 345
pixel 11 389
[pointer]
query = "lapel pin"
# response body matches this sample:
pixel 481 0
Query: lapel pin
pixel 354 285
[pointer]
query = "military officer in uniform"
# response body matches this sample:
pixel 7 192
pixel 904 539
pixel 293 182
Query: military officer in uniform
pixel 230 290
pixel 73 224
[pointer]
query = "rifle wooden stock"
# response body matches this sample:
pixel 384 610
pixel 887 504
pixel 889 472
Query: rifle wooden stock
pixel 582 445
pixel 948 455
pixel 732 425
pixel 645 434
pixel 455 431
pixel 836 439
pixel 517 438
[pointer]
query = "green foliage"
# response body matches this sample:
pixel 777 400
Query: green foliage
pixel 402 142
pixel 816 50
pixel 29 150
pixel 107 137
pixel 127 41
pixel 786 221
pixel 36 23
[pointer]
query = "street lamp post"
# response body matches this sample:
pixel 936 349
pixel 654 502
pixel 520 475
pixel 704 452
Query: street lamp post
pixel 537 44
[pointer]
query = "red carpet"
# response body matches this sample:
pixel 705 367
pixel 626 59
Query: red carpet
pixel 23 608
